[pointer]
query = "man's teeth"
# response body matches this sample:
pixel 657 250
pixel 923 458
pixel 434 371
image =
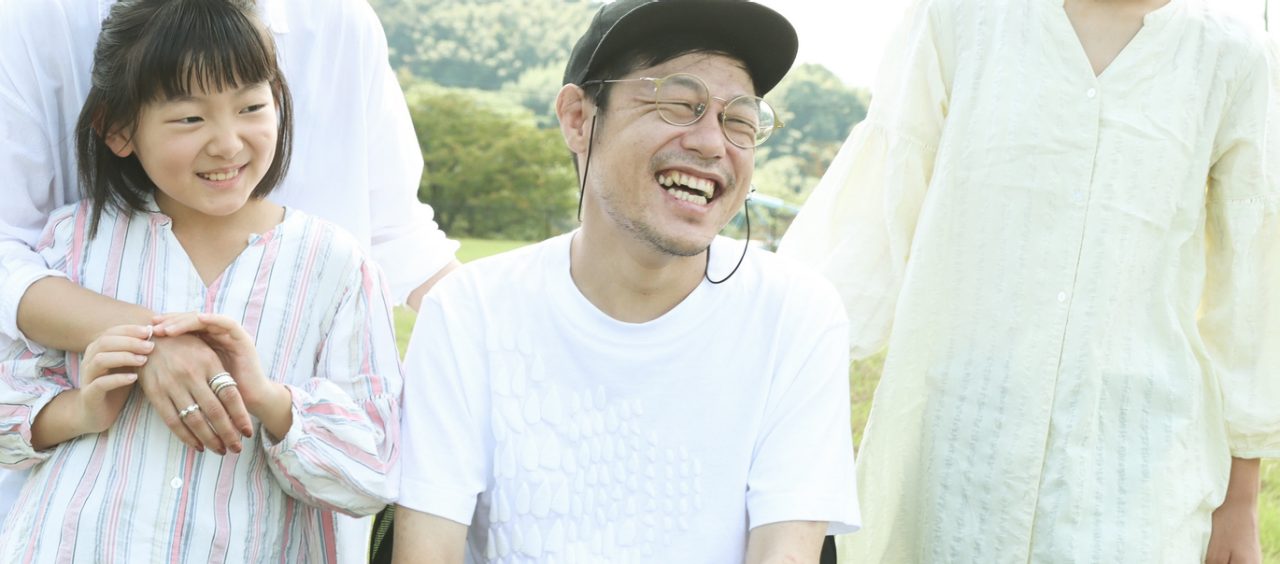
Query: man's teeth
pixel 220 176
pixel 670 179
pixel 682 195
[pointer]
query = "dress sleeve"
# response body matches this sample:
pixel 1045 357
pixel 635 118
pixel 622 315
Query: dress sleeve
pixel 30 379
pixel 857 226
pixel 405 238
pixel 342 449
pixel 1240 308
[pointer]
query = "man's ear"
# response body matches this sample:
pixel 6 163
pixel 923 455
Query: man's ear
pixel 119 144
pixel 575 112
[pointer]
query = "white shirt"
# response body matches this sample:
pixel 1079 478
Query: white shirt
pixel 559 433
pixel 355 162
pixel 1077 277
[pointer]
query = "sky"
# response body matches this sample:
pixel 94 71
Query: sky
pixel 848 36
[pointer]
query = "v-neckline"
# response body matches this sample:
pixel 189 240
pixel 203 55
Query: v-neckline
pixel 1134 44
pixel 217 280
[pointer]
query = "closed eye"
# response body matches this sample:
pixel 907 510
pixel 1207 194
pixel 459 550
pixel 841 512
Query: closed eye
pixel 253 108
pixel 188 120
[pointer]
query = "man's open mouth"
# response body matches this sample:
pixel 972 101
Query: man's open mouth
pixel 687 187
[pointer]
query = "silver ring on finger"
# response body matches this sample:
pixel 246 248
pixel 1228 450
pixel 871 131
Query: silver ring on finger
pixel 221 381
pixel 188 410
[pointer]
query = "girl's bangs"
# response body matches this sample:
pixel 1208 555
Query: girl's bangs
pixel 207 47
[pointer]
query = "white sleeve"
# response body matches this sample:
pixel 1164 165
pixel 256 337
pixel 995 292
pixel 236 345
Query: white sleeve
pixel 406 241
pixel 857 226
pixel 1240 306
pixel 445 433
pixel 27 171
pixel 803 466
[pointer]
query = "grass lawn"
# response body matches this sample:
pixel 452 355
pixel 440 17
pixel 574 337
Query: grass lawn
pixel 473 249
pixel 864 375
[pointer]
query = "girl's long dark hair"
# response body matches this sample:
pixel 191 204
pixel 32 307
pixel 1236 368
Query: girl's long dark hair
pixel 154 50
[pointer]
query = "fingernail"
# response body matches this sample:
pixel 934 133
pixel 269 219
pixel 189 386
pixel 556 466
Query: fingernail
pixel 148 345
pixel 139 358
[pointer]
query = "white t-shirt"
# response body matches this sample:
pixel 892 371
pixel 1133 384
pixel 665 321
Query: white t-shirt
pixel 557 432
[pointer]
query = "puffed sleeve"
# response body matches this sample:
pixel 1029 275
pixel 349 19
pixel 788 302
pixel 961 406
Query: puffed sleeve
pixel 856 227
pixel 342 449
pixel 29 379
pixel 1240 308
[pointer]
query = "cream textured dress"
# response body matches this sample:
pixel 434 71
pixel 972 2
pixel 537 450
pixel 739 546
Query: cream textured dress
pixel 1077 276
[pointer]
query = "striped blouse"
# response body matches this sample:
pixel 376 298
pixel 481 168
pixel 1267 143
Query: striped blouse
pixel 318 309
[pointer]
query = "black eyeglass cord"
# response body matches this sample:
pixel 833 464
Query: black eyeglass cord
pixel 746 211
pixel 586 167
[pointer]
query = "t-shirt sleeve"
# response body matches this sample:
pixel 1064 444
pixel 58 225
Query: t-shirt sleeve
pixel 446 456
pixel 803 466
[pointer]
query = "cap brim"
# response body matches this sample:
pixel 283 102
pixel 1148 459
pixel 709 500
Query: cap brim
pixel 756 34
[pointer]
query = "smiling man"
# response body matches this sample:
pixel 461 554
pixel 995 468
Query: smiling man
pixel 639 389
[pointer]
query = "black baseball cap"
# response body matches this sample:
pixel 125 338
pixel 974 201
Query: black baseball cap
pixel 757 35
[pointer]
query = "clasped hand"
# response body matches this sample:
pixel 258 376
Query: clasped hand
pixel 174 369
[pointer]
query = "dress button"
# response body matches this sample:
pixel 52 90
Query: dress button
pixel 175 483
pixel 1092 92
pixel 1077 197
pixel 1062 297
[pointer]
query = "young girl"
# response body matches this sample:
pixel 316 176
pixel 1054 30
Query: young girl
pixel 184 132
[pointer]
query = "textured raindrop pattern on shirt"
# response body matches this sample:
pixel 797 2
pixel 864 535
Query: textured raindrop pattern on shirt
pixel 576 476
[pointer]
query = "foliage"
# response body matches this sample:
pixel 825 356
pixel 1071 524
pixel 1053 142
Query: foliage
pixel 536 90
pixel 481 43
pixel 818 112
pixel 491 171
pixel 816 107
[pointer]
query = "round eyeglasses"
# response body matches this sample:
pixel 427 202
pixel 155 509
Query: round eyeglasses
pixel 682 99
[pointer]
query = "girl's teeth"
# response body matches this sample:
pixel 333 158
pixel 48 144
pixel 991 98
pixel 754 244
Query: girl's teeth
pixel 220 176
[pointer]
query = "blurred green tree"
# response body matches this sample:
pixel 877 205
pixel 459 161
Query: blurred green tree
pixel 480 43
pixel 491 172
